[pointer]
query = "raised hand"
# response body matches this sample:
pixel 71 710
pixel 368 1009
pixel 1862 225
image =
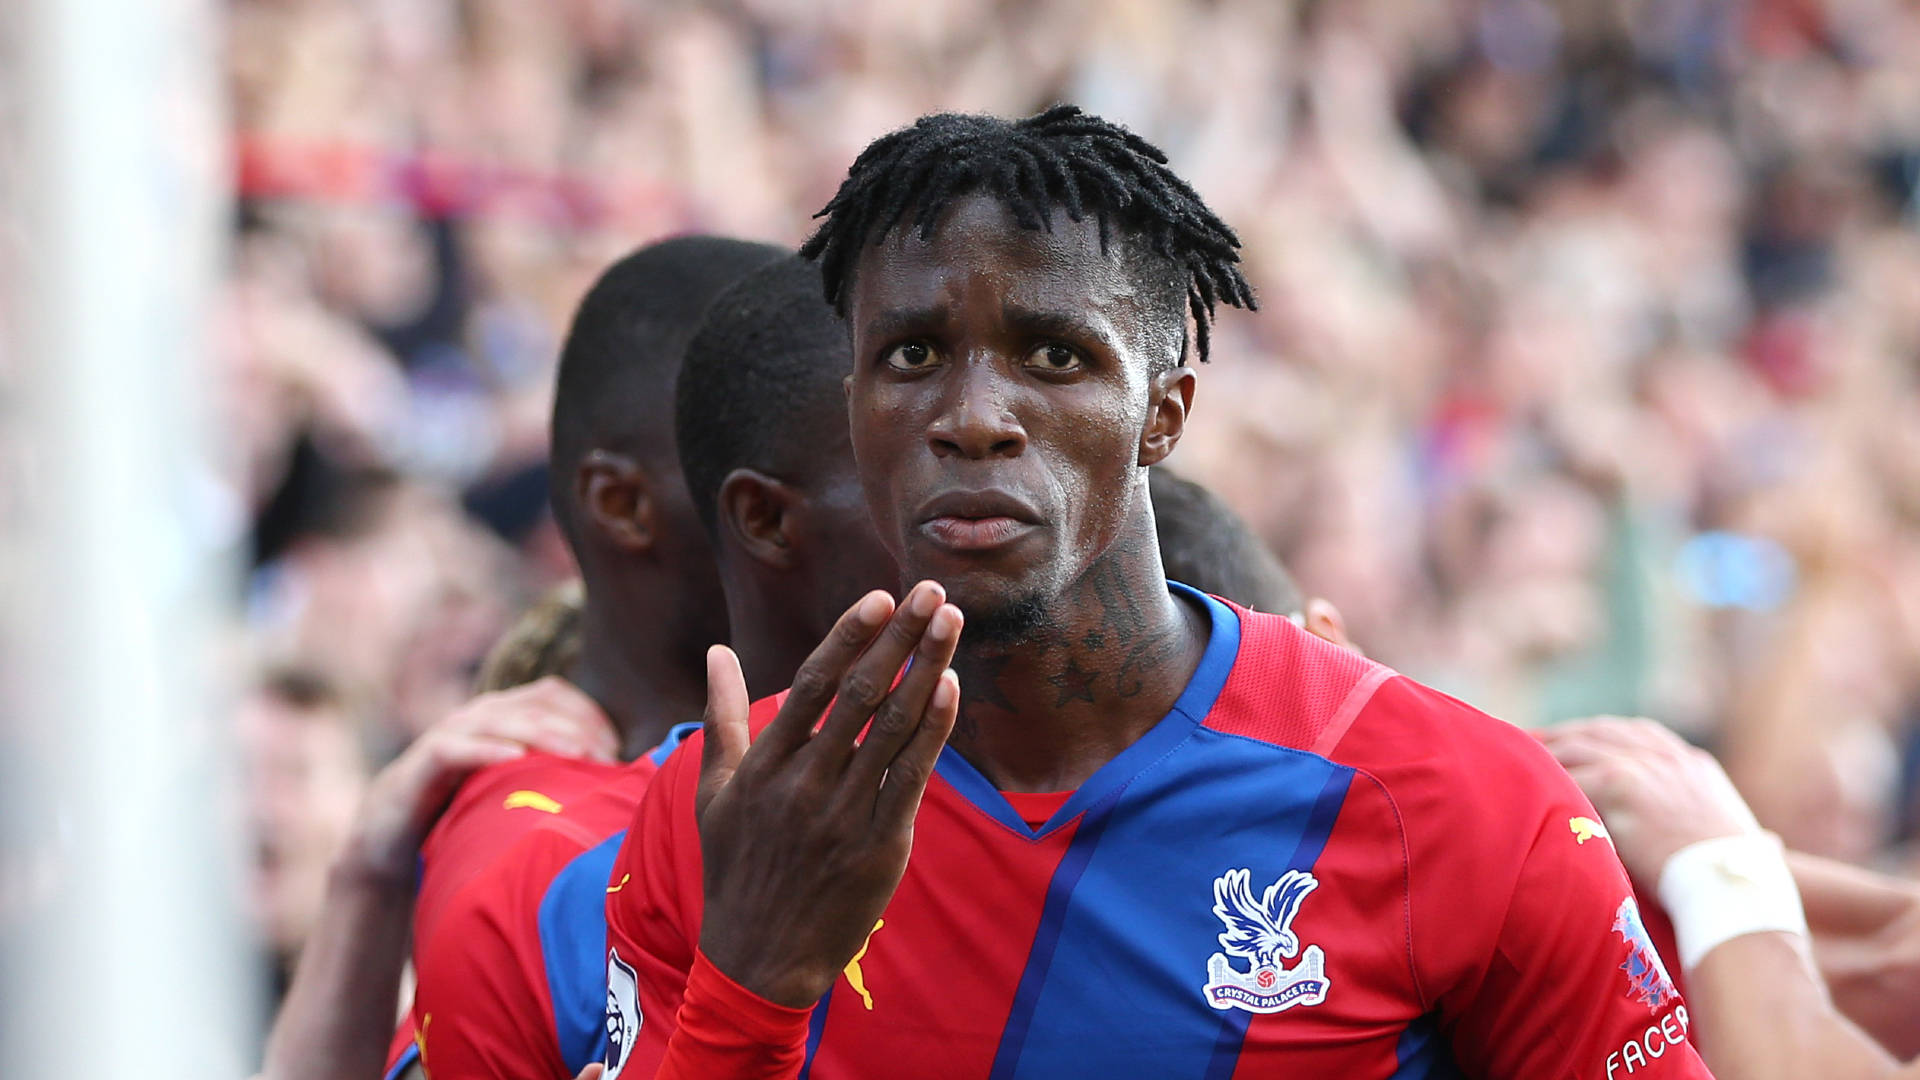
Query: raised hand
pixel 1656 793
pixel 406 798
pixel 805 834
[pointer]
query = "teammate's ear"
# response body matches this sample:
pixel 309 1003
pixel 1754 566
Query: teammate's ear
pixel 1325 622
pixel 616 498
pixel 760 514
pixel 1169 399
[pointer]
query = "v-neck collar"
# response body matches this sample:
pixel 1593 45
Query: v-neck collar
pixel 1189 709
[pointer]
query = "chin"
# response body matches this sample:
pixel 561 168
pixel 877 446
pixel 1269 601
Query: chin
pixel 999 612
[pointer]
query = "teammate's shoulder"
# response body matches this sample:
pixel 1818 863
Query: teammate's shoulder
pixel 536 781
pixel 684 753
pixel 1290 688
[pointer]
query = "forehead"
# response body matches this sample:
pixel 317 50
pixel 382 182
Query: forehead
pixel 979 256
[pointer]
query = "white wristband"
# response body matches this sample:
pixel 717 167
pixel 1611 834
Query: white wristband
pixel 1721 889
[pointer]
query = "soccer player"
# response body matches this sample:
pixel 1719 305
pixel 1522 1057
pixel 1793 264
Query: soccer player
pixel 651 592
pixel 512 979
pixel 1170 836
pixel 1761 1005
pixel 651 605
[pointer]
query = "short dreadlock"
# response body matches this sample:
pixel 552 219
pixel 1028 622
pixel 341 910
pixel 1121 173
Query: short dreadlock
pixel 1063 158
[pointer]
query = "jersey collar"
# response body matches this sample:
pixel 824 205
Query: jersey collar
pixel 1192 706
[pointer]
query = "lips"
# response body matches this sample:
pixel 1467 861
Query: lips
pixel 976 521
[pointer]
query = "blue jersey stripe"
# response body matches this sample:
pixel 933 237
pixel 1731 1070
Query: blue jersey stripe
pixel 1046 939
pixel 1424 1053
pixel 1116 985
pixel 1326 811
pixel 816 1027
pixel 573 946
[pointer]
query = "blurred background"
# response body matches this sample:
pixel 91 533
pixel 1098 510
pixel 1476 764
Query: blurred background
pixel 1586 380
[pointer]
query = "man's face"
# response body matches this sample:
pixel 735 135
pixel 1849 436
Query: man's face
pixel 1001 388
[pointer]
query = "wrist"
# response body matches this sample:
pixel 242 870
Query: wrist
pixel 780 985
pixel 1728 887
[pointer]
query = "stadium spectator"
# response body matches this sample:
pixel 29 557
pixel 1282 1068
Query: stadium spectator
pixel 1743 909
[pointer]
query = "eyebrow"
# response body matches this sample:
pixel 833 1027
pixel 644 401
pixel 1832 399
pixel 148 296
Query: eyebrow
pixel 900 321
pixel 1056 323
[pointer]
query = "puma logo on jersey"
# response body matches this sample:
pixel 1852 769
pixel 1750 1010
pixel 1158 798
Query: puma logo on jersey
pixel 857 978
pixel 530 800
pixel 1586 828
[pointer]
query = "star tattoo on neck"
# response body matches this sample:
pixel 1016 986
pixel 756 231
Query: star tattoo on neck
pixel 1074 682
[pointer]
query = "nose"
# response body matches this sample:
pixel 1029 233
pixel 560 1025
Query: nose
pixel 975 420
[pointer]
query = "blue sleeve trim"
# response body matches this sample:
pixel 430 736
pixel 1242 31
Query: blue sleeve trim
pixel 407 1059
pixel 675 736
pixel 573 946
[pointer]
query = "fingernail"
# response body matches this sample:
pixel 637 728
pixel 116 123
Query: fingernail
pixel 873 609
pixel 926 599
pixel 946 623
pixel 945 694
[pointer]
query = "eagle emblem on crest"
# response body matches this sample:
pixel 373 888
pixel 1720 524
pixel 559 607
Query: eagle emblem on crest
pixel 1261 932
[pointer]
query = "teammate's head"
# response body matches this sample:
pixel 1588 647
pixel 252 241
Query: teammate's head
pixel 1018 294
pixel 615 481
pixel 761 421
pixel 1203 543
pixel 544 640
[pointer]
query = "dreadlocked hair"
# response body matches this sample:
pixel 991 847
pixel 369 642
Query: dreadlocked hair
pixel 1062 158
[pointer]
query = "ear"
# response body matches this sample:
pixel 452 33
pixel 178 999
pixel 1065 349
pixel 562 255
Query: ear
pixel 762 515
pixel 1324 621
pixel 616 498
pixel 1169 399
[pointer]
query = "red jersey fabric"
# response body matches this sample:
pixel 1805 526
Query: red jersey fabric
pixel 511 968
pixel 1312 866
pixel 493 809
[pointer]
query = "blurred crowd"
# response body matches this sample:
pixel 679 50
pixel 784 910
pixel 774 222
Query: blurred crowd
pixel 1586 377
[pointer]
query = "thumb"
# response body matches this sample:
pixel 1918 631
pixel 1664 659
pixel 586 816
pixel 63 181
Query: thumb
pixel 725 725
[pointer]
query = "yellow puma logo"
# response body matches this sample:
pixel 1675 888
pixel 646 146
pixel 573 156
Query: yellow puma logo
pixel 624 878
pixel 420 1041
pixel 532 800
pixel 1585 829
pixel 855 977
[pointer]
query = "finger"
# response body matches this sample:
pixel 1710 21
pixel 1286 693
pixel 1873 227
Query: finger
pixel 818 679
pixel 535 730
pixel 458 756
pixel 900 716
pixel 564 736
pixel 907 777
pixel 867 683
pixel 1572 750
pixel 1594 782
pixel 1628 734
pixel 556 695
pixel 435 774
pixel 725 725
pixel 591 1072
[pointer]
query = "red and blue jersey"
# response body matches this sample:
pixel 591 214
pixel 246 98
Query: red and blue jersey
pixel 509 940
pixel 1312 866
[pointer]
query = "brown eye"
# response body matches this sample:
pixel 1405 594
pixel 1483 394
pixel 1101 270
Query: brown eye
pixel 911 356
pixel 1054 356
